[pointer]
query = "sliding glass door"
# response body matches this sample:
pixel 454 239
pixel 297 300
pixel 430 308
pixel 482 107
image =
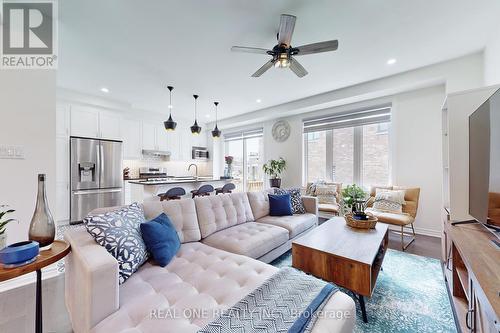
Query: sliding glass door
pixel 247 151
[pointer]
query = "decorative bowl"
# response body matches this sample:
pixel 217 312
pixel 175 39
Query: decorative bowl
pixel 19 252
pixel 361 224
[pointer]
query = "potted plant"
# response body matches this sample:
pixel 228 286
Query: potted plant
pixel 274 169
pixel 3 224
pixel 355 199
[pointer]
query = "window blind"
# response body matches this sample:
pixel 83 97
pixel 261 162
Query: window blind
pixel 238 135
pixel 376 115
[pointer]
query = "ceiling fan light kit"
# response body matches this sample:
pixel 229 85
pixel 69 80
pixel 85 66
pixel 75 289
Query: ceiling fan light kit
pixel 195 129
pixel 170 124
pixel 216 132
pixel 283 53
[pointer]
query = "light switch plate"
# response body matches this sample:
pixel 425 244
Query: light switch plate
pixel 12 152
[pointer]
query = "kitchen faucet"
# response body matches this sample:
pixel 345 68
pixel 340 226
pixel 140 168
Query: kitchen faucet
pixel 196 169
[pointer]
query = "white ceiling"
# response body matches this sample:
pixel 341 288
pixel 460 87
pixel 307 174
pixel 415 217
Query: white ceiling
pixel 136 48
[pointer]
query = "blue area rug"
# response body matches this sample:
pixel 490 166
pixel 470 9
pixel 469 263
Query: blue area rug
pixel 410 296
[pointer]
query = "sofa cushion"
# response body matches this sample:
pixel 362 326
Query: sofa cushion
pixel 259 201
pixel 119 233
pixel 295 198
pixel 295 224
pixel 222 211
pixel 280 204
pixel 182 213
pixel 331 208
pixel 161 239
pixel 199 277
pixel 392 218
pixel 250 239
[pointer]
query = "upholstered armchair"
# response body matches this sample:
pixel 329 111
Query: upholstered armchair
pixel 328 202
pixel 404 220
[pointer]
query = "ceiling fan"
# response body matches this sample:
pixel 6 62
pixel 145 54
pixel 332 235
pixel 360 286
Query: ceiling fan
pixel 283 53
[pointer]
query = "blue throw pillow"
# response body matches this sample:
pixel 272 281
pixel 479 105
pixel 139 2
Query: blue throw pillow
pixel 280 204
pixel 161 239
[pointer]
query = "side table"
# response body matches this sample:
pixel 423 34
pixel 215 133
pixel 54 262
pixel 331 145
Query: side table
pixel 58 251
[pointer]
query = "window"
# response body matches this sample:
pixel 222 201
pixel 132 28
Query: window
pixel 247 150
pixel 349 148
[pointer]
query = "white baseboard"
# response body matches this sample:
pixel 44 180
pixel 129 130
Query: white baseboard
pixel 421 231
pixel 23 280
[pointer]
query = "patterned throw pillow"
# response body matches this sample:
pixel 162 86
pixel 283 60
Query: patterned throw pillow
pixel 295 197
pixel 326 194
pixel 389 201
pixel 119 232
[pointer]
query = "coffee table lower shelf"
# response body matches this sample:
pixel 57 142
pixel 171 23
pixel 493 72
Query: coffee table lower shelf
pixel 350 258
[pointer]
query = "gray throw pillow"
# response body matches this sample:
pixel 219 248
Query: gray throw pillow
pixel 295 197
pixel 119 232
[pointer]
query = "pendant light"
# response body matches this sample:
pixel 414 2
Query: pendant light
pixel 216 132
pixel 170 124
pixel 195 129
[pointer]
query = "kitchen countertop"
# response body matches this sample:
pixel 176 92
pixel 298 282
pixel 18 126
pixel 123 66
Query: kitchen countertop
pixel 177 181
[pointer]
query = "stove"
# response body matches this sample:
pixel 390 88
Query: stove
pixel 153 174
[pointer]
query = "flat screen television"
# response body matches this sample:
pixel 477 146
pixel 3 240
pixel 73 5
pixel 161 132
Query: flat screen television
pixel 484 164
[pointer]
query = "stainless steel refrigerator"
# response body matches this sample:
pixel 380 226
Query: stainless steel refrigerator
pixel 96 175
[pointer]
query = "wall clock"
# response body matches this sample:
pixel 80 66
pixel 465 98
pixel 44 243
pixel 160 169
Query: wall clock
pixel 281 130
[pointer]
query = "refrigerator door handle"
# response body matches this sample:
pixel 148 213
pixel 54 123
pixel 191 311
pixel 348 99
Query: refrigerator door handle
pixel 101 158
pixel 114 190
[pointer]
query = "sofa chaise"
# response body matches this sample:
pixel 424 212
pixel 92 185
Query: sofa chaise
pixel 216 266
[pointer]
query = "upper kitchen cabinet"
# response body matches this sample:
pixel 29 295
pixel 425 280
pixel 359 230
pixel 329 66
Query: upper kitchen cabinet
pixel 161 138
pixel 84 122
pixel 172 138
pixel 109 126
pixel 62 120
pixel 149 136
pixel 94 123
pixel 132 139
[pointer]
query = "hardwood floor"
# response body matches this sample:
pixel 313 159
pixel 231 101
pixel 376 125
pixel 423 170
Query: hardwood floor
pixel 426 246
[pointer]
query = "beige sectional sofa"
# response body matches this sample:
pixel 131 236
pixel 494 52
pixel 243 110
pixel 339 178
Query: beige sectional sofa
pixel 215 267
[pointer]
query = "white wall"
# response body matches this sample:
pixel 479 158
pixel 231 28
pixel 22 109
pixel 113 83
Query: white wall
pixel 28 114
pixel 417 151
pixel 492 59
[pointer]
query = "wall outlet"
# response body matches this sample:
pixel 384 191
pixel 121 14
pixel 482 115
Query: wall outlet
pixel 11 152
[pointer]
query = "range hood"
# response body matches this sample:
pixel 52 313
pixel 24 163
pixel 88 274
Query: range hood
pixel 155 153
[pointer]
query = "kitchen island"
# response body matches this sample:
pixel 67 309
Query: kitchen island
pixel 148 190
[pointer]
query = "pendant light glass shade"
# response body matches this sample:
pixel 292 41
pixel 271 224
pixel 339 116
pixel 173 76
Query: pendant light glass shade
pixel 170 124
pixel 216 132
pixel 195 129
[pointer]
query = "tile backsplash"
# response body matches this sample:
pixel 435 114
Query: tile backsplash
pixel 174 168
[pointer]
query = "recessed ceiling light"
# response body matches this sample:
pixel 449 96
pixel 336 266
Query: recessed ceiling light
pixel 207 115
pixel 105 90
pixel 391 61
pixel 258 100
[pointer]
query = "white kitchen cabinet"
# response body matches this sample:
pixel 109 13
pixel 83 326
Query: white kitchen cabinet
pixel 148 136
pixel 132 139
pixel 185 145
pixel 109 126
pixel 62 203
pixel 161 138
pixel 62 160
pixel 84 121
pixel 172 138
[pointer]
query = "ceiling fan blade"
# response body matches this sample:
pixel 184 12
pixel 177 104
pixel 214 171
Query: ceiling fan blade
pixel 287 24
pixel 249 49
pixel 330 45
pixel 264 68
pixel 297 68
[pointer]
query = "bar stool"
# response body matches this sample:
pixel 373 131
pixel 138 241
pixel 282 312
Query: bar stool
pixel 203 191
pixel 175 193
pixel 227 188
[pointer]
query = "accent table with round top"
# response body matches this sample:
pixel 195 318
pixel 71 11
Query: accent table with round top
pixel 58 251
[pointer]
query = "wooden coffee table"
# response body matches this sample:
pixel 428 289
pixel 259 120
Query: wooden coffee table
pixel 349 257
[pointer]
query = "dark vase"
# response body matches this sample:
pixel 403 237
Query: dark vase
pixel 275 182
pixel 42 228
